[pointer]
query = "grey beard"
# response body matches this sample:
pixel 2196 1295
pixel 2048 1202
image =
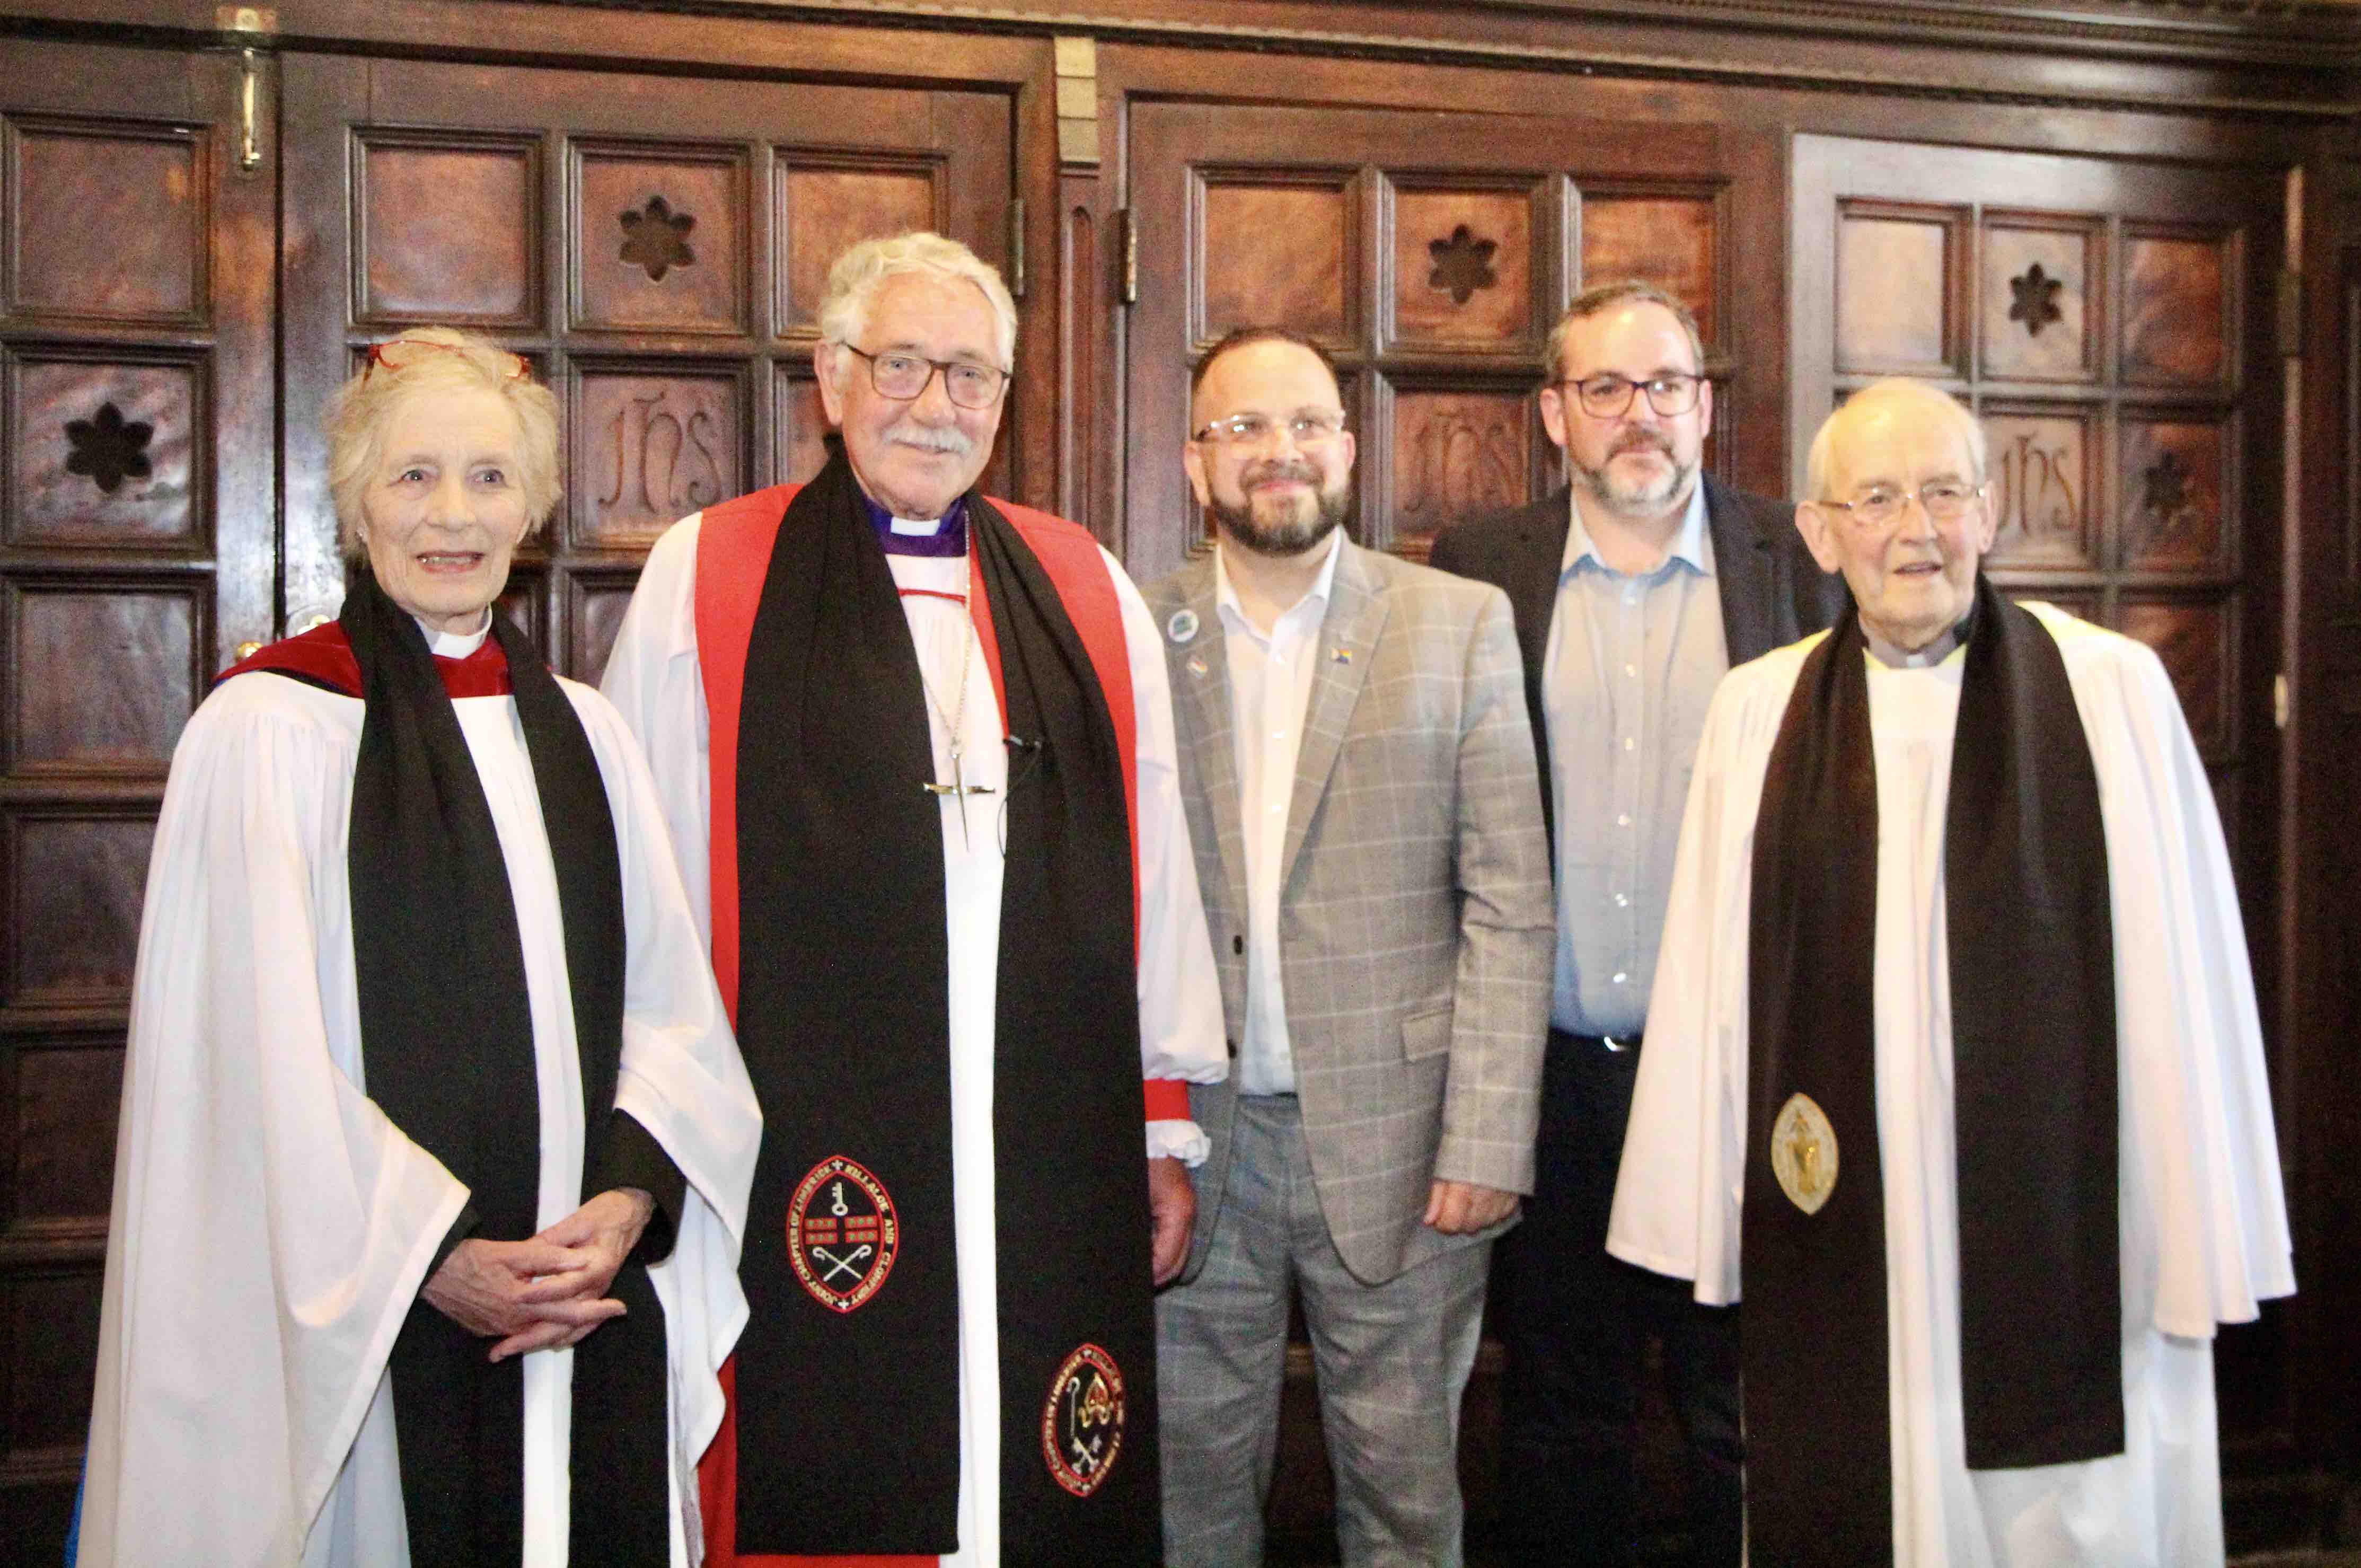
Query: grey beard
pixel 1292 538
pixel 1646 501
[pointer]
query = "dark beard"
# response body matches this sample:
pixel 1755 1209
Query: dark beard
pixel 1292 538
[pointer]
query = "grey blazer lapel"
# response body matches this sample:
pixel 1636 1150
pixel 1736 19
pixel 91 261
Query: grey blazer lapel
pixel 1201 681
pixel 1348 639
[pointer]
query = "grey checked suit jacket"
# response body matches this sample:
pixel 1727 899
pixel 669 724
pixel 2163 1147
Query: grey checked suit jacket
pixel 1416 931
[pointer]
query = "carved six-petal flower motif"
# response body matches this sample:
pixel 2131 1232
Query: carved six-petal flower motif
pixel 657 238
pixel 2036 300
pixel 2164 488
pixel 1463 264
pixel 107 448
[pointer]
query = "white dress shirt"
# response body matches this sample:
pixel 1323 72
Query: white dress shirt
pixel 1270 688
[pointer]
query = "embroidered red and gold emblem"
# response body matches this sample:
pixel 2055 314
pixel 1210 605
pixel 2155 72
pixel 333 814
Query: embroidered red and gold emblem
pixel 842 1233
pixel 1082 1426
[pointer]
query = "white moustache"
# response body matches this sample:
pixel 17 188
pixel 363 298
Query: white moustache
pixel 932 437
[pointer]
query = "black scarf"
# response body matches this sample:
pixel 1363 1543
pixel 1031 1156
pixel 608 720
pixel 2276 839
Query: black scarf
pixel 2032 1048
pixel 447 1044
pixel 848 1421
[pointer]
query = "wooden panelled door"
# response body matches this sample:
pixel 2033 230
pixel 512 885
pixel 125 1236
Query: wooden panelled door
pixel 136 549
pixel 656 246
pixel 2111 323
pixel 1430 253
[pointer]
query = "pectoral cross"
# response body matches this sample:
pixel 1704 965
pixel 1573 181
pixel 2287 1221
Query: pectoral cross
pixel 959 788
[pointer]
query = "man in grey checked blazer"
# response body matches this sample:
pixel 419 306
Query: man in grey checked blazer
pixel 1357 767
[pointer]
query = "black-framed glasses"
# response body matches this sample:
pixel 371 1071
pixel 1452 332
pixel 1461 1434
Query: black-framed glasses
pixel 1607 395
pixel 1316 428
pixel 1945 500
pixel 903 377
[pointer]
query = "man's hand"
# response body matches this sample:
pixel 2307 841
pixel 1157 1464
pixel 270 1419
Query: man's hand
pixel 1457 1208
pixel 1172 1201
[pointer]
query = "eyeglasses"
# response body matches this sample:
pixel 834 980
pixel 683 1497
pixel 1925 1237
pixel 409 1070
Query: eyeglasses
pixel 903 377
pixel 1607 395
pixel 401 353
pixel 1945 500
pixel 1305 430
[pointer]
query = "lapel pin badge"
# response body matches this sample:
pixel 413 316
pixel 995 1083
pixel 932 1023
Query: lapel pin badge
pixel 1182 627
pixel 1197 666
pixel 1340 655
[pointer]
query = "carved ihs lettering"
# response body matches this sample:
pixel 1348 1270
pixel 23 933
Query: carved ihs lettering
pixel 663 464
pixel 2036 483
pixel 1460 460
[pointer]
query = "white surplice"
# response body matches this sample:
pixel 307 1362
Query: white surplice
pixel 654 678
pixel 2203 1224
pixel 271 1228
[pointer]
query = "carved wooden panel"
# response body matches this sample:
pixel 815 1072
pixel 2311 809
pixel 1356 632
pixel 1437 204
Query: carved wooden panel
pixel 1461 265
pixel 2083 604
pixel 650 445
pixel 594 603
pixel 1456 454
pixel 447 229
pixel 110 220
pixel 102 677
pixel 662 241
pixel 1898 286
pixel 2043 468
pixel 51 1356
pixel 2177 291
pixel 64 1138
pixel 2196 638
pixel 2173 484
pixel 800 422
pixel 1277 247
pixel 1671 241
pixel 827 205
pixel 74 883
pixel 525 601
pixel 106 450
pixel 2043 296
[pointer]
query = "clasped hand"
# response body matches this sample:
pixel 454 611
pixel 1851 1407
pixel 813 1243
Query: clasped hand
pixel 546 1293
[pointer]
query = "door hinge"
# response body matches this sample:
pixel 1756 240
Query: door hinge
pixel 1130 257
pixel 249 128
pixel 2291 314
pixel 1017 246
pixel 2279 703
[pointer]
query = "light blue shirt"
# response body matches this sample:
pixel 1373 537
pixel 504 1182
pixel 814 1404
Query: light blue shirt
pixel 1632 663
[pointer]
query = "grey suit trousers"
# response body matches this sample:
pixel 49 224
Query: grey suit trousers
pixel 1392 1362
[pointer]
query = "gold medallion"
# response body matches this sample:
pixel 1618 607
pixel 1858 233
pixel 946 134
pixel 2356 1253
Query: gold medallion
pixel 1804 1153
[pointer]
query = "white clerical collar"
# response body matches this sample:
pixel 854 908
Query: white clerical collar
pixel 1225 597
pixel 456 645
pixel 1925 658
pixel 922 526
pixel 1691 544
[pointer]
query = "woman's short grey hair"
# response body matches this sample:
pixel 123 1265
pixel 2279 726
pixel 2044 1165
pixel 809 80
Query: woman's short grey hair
pixel 858 274
pixel 1891 389
pixel 357 415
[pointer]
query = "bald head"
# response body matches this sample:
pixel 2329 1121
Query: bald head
pixel 1898 504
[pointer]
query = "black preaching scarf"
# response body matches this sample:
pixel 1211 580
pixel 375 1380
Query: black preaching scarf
pixel 848 1421
pixel 448 1047
pixel 2033 1047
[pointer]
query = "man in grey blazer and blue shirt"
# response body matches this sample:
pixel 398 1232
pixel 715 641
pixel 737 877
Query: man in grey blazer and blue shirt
pixel 1362 796
pixel 1635 589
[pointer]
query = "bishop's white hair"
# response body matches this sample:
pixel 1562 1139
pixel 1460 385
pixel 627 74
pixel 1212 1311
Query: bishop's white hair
pixel 857 275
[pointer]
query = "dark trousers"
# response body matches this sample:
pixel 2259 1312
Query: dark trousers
pixel 1575 1322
